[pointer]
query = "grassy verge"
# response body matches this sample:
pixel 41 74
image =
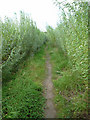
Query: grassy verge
pixel 22 97
pixel 70 92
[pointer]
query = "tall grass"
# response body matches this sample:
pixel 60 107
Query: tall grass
pixel 19 39
pixel 22 97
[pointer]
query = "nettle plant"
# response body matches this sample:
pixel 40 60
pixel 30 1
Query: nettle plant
pixel 19 39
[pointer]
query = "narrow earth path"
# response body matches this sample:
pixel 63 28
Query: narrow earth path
pixel 50 111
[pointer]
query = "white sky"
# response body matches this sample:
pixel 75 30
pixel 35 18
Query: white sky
pixel 43 12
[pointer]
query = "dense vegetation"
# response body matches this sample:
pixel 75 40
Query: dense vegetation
pixel 23 64
pixel 22 96
pixel 19 39
pixel 22 90
pixel 70 59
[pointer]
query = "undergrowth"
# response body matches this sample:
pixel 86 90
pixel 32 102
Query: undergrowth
pixel 71 97
pixel 22 97
pixel 68 47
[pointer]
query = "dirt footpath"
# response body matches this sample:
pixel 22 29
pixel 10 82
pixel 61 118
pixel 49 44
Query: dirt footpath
pixel 50 111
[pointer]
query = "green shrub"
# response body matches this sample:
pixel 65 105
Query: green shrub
pixel 19 39
pixel 70 64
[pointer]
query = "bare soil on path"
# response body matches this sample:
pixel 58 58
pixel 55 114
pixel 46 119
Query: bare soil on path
pixel 50 111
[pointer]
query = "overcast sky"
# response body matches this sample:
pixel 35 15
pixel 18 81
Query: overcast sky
pixel 43 12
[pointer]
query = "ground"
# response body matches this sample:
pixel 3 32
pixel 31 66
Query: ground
pixel 50 111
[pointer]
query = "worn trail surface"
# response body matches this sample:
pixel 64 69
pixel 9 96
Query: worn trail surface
pixel 50 111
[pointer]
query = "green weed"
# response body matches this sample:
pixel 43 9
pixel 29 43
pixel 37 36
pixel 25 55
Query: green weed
pixel 22 97
pixel 71 98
